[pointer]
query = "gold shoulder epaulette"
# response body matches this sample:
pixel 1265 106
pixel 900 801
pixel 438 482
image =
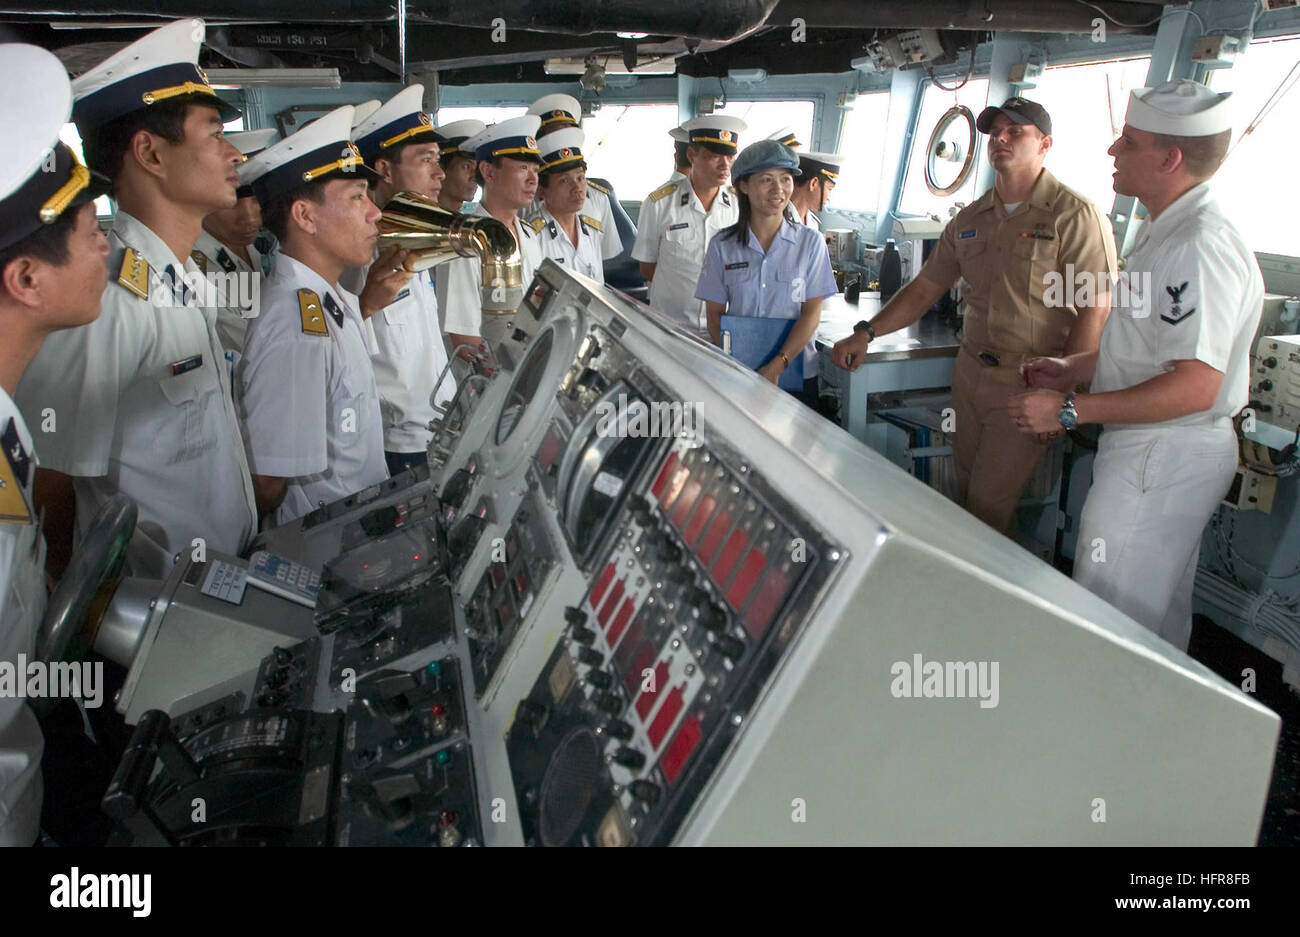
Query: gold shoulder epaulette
pixel 200 259
pixel 537 224
pixel 313 316
pixel 592 222
pixel 598 187
pixel 134 274
pixel 663 191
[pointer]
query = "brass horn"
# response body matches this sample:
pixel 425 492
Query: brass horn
pixel 434 235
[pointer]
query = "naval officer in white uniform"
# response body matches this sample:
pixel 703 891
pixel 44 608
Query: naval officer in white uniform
pixel 52 276
pixel 225 247
pixel 678 221
pixel 399 141
pixel 508 158
pixel 140 399
pixel 1172 370
pixel 811 190
pixel 563 112
pixel 311 409
pixel 567 236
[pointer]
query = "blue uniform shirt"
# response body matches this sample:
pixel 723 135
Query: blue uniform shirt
pixel 775 284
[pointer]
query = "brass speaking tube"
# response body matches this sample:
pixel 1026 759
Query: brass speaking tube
pixel 434 235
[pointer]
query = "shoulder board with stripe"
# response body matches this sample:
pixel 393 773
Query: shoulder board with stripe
pixel 663 191
pixel 537 224
pixel 200 259
pixel 598 187
pixel 134 274
pixel 313 316
pixel 592 222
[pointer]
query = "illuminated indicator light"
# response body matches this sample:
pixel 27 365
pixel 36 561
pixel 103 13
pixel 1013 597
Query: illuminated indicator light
pixel 435 667
pixel 663 720
pixel 437 709
pixel 447 817
pixel 680 749
pixel 665 473
pixel 699 519
pixel 674 487
pixel 771 594
pixel 745 579
pixel 442 758
pixel 415 556
pixel 736 544
pixel 611 603
pixel 682 509
pixel 620 621
pixel 602 583
pixel 713 538
pixel 646 701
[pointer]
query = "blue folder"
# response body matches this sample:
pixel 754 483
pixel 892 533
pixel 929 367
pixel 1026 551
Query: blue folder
pixel 756 340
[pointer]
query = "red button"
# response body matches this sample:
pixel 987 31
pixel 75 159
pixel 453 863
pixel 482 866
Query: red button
pixel 745 579
pixel 611 603
pixel 606 577
pixel 665 473
pixel 769 597
pixel 731 553
pixel 663 720
pixel 680 749
pixel 620 622
pixel 437 709
pixel 713 539
pixel 699 519
pixel 646 701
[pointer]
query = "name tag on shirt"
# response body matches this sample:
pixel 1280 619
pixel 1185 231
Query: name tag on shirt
pixel 736 266
pixel 185 365
pixel 967 235
pixel 678 227
pixel 403 294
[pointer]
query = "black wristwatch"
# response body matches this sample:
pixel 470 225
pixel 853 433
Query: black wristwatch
pixel 864 324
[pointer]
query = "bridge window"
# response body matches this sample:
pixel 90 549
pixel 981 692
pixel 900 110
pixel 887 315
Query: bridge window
pixel 1255 175
pixel 863 141
pixel 489 115
pixel 1087 104
pixel 765 118
pixel 917 199
pixel 629 146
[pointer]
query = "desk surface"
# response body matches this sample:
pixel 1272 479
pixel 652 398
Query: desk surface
pixel 927 338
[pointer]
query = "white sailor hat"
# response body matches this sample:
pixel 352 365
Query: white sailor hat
pixel 1182 108
pixel 42 179
pixel 319 151
pixel 562 150
pixel 825 165
pixel 162 66
pixel 680 135
pixel 400 120
pixel 718 133
pixel 557 111
pixel 249 143
pixel 516 138
pixel 787 136
pixel 361 113
pixel 456 133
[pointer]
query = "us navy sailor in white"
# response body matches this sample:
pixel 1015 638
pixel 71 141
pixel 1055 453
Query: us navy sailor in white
pixel 309 338
pixel 1172 369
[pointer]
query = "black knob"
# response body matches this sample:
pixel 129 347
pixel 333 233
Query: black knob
pixel 1270 362
pixel 696 597
pixel 453 493
pixel 713 617
pixel 270 698
pixel 591 379
pixel 282 655
pixel 278 677
pixel 582 635
pixel 678 574
pixel 640 508
pixel 590 657
pixel 1266 384
pixel 618 729
pixel 611 703
pixel 464 536
pixel 530 715
pixel 728 646
pixel 629 758
pixel 599 679
pixel 645 791
pixel 668 551
pixel 574 615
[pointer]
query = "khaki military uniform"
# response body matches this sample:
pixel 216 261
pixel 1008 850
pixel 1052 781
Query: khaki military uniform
pixel 1012 314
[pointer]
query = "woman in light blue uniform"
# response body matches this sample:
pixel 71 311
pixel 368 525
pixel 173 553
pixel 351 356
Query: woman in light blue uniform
pixel 766 265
